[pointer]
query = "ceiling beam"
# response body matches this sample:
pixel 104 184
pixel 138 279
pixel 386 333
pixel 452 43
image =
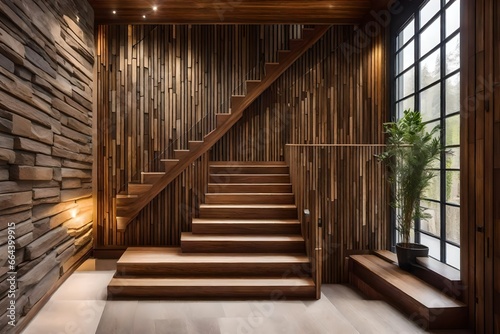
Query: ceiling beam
pixel 231 11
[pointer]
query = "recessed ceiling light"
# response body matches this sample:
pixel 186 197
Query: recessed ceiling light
pixel 114 12
pixel 155 8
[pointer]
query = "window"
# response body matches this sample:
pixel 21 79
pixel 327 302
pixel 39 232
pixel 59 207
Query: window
pixel 426 58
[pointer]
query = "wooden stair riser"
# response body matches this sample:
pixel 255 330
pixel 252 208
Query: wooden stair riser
pixel 222 118
pixel 121 289
pixel 151 177
pixel 211 269
pixel 251 246
pixel 283 55
pixel 249 178
pixel 137 188
pixel 208 211
pixel 124 201
pixel 250 188
pixel 242 169
pixel 181 154
pixel 249 198
pixel 252 85
pixel 245 228
pixel 168 164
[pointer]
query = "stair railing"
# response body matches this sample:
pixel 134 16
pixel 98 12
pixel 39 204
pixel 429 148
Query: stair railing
pixel 312 232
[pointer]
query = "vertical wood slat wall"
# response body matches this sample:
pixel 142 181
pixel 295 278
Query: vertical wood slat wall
pixel 155 83
pixel 350 197
pixel 480 163
pixel 335 93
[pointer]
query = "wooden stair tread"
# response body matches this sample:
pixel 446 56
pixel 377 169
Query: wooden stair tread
pixel 202 282
pixel 188 236
pixel 410 285
pixel 159 255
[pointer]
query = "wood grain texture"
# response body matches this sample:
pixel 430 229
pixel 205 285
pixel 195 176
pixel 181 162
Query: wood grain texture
pixel 335 93
pixel 480 130
pixel 430 308
pixel 230 12
pixel 345 187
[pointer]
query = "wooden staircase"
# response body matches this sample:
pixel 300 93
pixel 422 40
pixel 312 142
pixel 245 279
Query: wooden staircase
pixel 137 196
pixel 234 250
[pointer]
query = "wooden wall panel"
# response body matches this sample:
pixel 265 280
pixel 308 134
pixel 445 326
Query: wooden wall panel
pixel 157 88
pixel 480 163
pixel 336 94
pixel 46 82
pixel 350 197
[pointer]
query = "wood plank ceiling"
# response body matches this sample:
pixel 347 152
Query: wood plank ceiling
pixel 231 11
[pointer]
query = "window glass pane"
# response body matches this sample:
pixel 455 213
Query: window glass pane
pixel 432 224
pixel 428 11
pixel 453 130
pixel 453 158
pixel 453 256
pixel 430 103
pixel 453 224
pixel 406 34
pixel 430 126
pixel 430 37
pixel 453 54
pixel 408 103
pixel 453 18
pixel 453 94
pixel 430 69
pixel 406 84
pixel 433 244
pixel 405 58
pixel 432 191
pixel 453 187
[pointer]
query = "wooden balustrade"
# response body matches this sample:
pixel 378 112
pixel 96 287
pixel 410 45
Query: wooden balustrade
pixel 345 190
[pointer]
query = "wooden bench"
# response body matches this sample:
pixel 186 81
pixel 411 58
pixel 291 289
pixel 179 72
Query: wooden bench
pixel 440 275
pixel 426 305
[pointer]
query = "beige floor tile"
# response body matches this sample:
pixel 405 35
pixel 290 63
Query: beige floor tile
pixel 85 286
pixel 67 316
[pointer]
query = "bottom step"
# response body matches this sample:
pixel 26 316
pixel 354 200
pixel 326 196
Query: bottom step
pixel 210 288
pixel 428 306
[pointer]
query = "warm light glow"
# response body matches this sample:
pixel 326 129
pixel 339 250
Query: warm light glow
pixel 114 12
pixel 77 19
pixel 74 213
pixel 143 16
pixel 155 8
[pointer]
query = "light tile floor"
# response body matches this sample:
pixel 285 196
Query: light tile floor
pixel 79 306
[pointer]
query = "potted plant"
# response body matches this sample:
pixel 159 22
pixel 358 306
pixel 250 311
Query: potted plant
pixel 410 152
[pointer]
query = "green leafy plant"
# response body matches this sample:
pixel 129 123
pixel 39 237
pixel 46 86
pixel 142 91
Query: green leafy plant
pixel 410 152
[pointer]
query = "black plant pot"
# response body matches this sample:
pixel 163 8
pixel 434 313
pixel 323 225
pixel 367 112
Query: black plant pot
pixel 408 253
